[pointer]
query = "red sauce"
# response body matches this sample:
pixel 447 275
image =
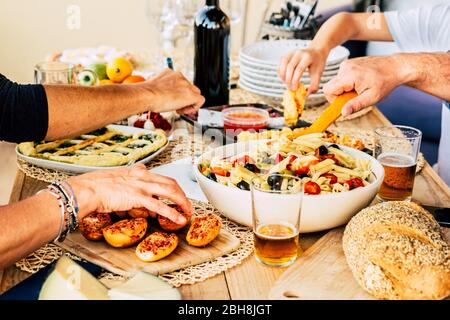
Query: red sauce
pixel 244 121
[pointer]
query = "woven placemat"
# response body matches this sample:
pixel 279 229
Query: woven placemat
pixel 190 275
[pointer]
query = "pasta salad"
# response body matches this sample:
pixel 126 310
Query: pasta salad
pixel 323 167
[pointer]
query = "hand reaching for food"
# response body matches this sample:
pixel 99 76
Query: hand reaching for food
pixel 368 77
pixel 173 92
pixel 294 64
pixel 129 188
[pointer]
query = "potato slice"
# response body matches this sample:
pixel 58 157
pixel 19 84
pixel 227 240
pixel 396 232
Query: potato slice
pixel 126 232
pixel 91 226
pixel 204 230
pixel 156 246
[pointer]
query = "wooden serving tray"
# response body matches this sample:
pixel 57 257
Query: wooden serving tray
pixel 125 262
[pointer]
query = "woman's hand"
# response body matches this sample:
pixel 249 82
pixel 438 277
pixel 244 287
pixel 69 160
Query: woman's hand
pixel 294 64
pixel 171 91
pixel 128 188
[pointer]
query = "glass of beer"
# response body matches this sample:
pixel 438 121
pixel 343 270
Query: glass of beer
pixel 276 209
pixel 397 149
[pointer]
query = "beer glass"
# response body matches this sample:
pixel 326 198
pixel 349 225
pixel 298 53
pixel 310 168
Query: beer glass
pixel 397 149
pixel 54 72
pixel 276 208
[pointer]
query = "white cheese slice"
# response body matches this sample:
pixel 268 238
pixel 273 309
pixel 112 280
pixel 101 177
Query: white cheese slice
pixel 69 281
pixel 144 286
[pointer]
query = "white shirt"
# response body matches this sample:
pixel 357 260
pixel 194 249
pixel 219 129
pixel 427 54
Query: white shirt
pixel 426 29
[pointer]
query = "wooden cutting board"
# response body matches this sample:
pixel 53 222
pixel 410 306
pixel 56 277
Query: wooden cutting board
pixel 322 273
pixel 125 262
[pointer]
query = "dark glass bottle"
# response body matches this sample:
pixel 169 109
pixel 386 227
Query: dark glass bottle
pixel 212 54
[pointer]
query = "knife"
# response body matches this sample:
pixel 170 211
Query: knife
pixel 442 215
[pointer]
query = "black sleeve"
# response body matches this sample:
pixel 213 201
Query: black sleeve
pixel 23 111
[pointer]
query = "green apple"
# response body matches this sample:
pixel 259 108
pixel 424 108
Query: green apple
pixel 87 78
pixel 99 69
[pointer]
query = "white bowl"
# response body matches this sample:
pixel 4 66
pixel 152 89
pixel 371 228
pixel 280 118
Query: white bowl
pixel 319 212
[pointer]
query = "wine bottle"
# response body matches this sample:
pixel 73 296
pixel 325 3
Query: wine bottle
pixel 212 54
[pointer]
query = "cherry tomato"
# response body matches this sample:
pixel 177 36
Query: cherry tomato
pixel 329 156
pixel 355 183
pixel 291 159
pixel 332 177
pixel 304 170
pixel 278 158
pixel 243 160
pixel 220 171
pixel 312 188
pixel 139 123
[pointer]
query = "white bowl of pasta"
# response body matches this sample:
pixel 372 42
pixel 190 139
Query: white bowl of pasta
pixel 336 203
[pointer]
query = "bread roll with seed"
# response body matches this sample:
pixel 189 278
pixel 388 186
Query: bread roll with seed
pixel 156 246
pixel 396 250
pixel 203 230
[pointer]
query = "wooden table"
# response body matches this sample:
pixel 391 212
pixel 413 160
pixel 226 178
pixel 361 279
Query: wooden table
pixel 250 280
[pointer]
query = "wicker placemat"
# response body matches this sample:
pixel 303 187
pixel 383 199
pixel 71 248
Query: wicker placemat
pixel 51 252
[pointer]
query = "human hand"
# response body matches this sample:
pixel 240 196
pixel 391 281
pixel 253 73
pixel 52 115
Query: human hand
pixel 171 91
pixel 294 64
pixel 124 189
pixel 371 77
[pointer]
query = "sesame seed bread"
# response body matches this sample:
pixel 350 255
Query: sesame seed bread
pixel 396 250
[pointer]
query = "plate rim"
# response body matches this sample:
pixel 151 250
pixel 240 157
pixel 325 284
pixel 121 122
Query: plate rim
pixel 291 42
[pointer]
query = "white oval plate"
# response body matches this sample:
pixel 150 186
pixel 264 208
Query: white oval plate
pixel 331 69
pixel 74 168
pixel 262 75
pixel 271 52
pixel 268 88
pixel 311 100
pixel 277 85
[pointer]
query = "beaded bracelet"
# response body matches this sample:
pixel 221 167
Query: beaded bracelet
pixel 71 206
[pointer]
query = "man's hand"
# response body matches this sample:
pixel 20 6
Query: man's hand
pixel 128 188
pixel 372 78
pixel 171 91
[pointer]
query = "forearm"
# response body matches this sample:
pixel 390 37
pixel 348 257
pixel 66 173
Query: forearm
pixel 351 26
pixel 29 224
pixel 74 109
pixel 26 226
pixel 428 72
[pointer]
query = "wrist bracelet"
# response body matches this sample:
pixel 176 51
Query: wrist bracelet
pixel 71 209
pixel 62 210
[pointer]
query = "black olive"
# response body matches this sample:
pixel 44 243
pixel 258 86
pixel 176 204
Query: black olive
pixel 212 176
pixel 273 180
pixel 335 146
pixel 251 167
pixel 277 186
pixel 303 175
pixel 323 150
pixel 243 185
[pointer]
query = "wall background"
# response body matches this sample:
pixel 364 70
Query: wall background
pixel 30 29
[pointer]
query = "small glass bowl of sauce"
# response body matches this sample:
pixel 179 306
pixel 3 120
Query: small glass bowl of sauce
pixel 237 119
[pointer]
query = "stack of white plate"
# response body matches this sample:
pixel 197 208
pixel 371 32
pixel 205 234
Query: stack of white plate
pixel 259 68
